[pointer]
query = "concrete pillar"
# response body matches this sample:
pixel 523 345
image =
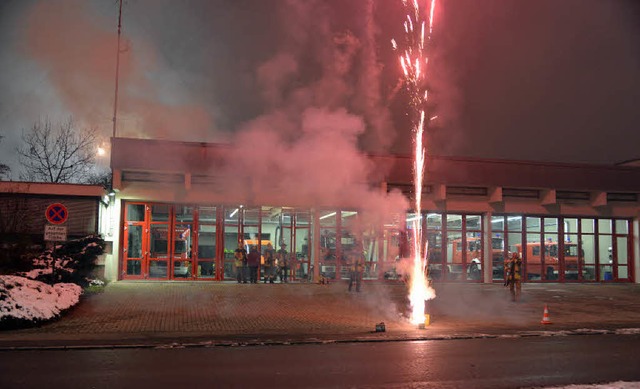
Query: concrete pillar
pixel 487 265
pixel 315 245
pixel 112 260
pixel 636 249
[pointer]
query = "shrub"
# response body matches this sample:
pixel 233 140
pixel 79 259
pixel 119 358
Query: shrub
pixel 75 261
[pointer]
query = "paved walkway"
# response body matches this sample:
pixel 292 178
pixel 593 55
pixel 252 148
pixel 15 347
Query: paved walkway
pixel 197 313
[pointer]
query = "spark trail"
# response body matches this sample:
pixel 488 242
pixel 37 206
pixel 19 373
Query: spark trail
pixel 414 61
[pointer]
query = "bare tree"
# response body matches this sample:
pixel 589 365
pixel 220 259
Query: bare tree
pixel 5 170
pixel 65 154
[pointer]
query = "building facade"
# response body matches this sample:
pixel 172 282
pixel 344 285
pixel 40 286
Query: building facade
pixel 23 220
pixel 181 210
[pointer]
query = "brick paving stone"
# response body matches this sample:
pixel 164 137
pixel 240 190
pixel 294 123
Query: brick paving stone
pixel 160 312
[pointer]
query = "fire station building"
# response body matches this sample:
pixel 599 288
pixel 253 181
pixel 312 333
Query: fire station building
pixel 568 222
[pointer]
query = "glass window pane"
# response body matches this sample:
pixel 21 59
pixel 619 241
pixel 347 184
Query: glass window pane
pixel 622 226
pixel 550 224
pixel 497 223
pixel 349 219
pixel 328 253
pixel 134 268
pixel 497 255
pixel 251 237
pixel 303 218
pixel 251 216
pixel 207 214
pixel 570 257
pixel 531 256
pixel 623 272
pixel 327 218
pixel 589 257
pixel 435 255
pixel 184 213
pixel 551 269
pixel 473 256
pixel 454 222
pixel 300 263
pixel 533 224
pixel 604 226
pixel 605 252
pixel 514 223
pixel 455 253
pixel 135 212
pixel 587 225
pixel 206 269
pixel 270 226
pixel 570 226
pixel 434 220
pixel 182 241
pixel 158 241
pixel 134 242
pixel 160 212
pixel 158 269
pixel 622 252
pixel 207 241
pixel 474 222
pixel 232 214
pixel 182 268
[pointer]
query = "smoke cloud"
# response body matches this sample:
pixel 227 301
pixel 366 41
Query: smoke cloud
pixel 78 50
pixel 307 145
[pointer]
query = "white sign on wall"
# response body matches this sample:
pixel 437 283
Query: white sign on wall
pixel 55 233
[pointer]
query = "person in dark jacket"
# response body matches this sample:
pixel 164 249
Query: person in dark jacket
pixel 283 263
pixel 240 263
pixel 356 270
pixel 253 261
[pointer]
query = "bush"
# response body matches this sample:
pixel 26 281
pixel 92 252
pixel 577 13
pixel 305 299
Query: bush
pixel 16 253
pixel 75 261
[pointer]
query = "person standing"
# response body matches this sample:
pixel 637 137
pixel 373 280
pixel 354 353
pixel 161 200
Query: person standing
pixel 253 261
pixel 513 279
pixel 269 264
pixel 283 263
pixel 356 270
pixel 240 262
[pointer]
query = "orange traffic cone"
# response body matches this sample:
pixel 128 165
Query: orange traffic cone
pixel 545 316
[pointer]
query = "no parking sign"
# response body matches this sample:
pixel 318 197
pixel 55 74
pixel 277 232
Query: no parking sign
pixel 56 214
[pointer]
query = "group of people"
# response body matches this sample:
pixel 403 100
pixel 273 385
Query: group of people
pixel 276 264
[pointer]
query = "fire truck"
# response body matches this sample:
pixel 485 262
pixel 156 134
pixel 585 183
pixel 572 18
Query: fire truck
pixel 551 267
pixel 472 256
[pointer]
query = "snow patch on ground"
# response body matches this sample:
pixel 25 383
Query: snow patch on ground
pixel 610 385
pixel 25 299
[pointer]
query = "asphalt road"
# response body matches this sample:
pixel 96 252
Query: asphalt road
pixel 505 362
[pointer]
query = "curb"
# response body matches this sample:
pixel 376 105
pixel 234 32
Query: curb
pixel 258 343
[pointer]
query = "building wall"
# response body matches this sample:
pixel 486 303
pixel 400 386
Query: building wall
pixel 23 206
pixel 194 173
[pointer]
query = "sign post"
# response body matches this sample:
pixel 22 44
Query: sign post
pixel 56 214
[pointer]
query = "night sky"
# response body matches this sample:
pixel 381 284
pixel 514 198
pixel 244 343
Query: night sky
pixel 529 79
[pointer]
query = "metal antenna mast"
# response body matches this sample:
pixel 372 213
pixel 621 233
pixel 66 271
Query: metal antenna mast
pixel 115 102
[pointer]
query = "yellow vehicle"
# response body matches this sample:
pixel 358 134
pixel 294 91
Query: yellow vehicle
pixel 254 242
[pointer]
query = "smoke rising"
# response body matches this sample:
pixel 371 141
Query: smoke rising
pixel 307 145
pixel 77 47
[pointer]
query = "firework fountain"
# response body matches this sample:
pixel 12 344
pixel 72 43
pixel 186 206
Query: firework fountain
pixel 418 28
